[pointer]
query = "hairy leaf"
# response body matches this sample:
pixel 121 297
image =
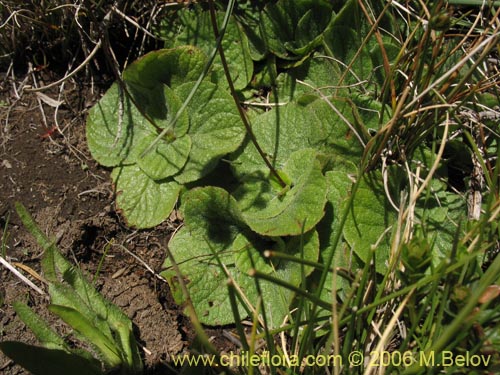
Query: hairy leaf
pixel 144 201
pixel 43 332
pixel 309 123
pixel 170 67
pixel 276 211
pixel 197 30
pixel 111 133
pixel 368 225
pixel 294 28
pixel 215 235
pixel 215 129
pixel 92 333
pixel 166 158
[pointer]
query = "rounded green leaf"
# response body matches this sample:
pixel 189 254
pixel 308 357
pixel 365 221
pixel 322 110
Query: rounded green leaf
pixel 277 299
pixel 117 129
pixel 198 260
pixel 207 262
pixel 343 43
pixel 166 66
pixel 159 105
pixel 144 202
pixel 197 30
pixel 279 132
pixel 166 158
pixel 310 123
pixel 211 212
pixel 215 129
pixel 289 210
pixel 293 28
pixel 114 126
pixel 317 72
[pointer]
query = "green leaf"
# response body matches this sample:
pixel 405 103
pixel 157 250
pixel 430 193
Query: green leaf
pixel 206 281
pixel 118 124
pixel 279 132
pixel 346 41
pixel 343 43
pixel 276 298
pixel 159 105
pixel 112 135
pixel 166 158
pixel 369 222
pixel 317 71
pixel 339 185
pixel 47 337
pixel 76 293
pixel 439 216
pixel 120 136
pixel 197 30
pixel 212 212
pixel 107 348
pixel 292 210
pixel 144 201
pixel 43 361
pixel 215 129
pixel 251 27
pixel 199 258
pixel 79 294
pixel 215 235
pixel 170 67
pixel 310 27
pixel 295 126
pixel 391 49
pixel 64 295
pixel 33 228
pixel 294 28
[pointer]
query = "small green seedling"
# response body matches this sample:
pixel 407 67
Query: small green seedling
pixel 95 321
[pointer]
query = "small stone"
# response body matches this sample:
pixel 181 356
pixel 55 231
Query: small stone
pixel 6 164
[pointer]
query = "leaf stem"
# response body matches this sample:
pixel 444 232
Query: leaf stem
pixel 244 118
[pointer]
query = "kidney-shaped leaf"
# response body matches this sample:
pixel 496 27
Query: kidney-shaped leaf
pixel 215 129
pixel 212 213
pixel 167 66
pixel 272 210
pixel 120 127
pixel 145 202
pixel 293 28
pixel 215 245
pixel 166 158
pixel 197 30
pixel 114 126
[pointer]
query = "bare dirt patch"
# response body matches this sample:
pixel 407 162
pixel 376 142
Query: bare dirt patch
pixel 44 164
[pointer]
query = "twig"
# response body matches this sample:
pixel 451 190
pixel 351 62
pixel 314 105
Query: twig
pixel 130 20
pixel 452 70
pixel 23 278
pixel 147 266
pixel 80 67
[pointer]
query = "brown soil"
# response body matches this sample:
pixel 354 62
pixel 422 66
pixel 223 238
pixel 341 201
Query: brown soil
pixel 71 197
